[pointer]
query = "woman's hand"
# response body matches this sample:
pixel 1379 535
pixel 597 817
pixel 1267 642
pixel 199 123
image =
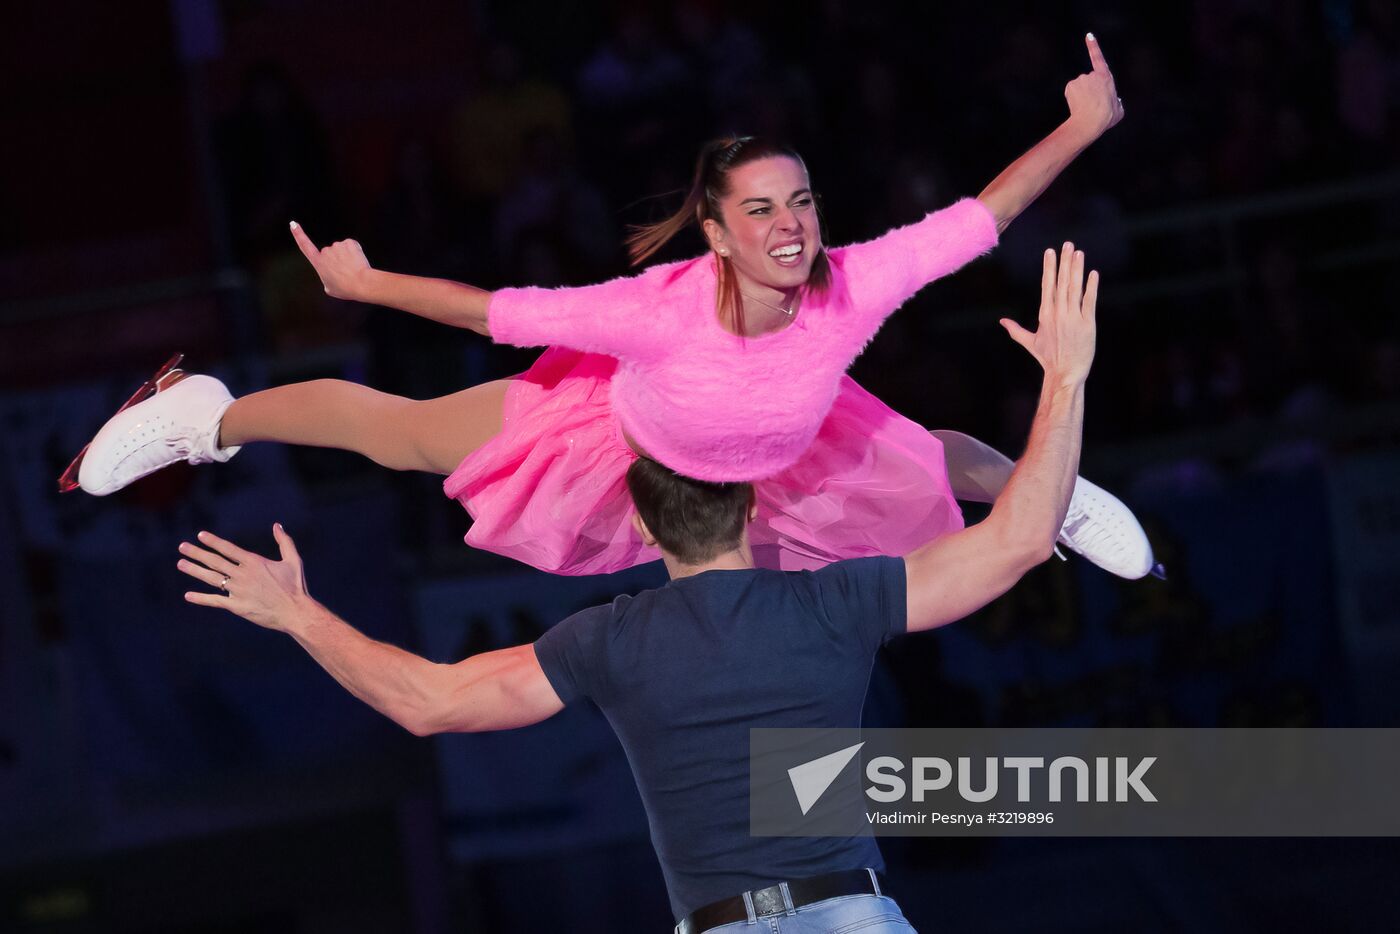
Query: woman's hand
pixel 1063 342
pixel 342 265
pixel 269 593
pixel 1094 104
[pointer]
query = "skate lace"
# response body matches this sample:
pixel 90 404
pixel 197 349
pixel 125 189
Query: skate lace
pixel 1083 532
pixel 158 451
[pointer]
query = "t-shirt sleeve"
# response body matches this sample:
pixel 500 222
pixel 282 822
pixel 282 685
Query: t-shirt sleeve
pixel 571 654
pixel 883 273
pixel 867 594
pixel 621 317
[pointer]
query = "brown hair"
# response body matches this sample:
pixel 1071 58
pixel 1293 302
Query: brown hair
pixel 691 519
pixel 711 183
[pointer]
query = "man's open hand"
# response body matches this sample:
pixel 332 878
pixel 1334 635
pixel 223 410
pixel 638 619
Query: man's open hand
pixel 1063 342
pixel 258 589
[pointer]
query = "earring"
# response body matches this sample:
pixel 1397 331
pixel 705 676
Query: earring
pixel 723 252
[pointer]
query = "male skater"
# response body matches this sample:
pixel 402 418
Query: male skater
pixel 684 672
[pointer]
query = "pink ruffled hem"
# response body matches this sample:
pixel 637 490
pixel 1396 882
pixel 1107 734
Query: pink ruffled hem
pixel 550 490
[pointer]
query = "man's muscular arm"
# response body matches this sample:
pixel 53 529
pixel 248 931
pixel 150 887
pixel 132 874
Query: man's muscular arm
pixel 957 574
pixel 497 690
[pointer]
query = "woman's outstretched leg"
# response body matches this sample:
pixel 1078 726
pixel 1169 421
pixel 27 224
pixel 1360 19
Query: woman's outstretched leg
pixel 1098 525
pixel 432 435
pixel 976 471
pixel 194 418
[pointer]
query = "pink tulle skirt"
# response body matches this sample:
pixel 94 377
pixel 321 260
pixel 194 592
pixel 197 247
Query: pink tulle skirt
pixel 550 490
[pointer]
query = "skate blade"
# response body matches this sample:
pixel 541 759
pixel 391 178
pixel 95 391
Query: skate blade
pixel 163 378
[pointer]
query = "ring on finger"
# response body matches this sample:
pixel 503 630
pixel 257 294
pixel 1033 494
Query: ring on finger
pixel 223 584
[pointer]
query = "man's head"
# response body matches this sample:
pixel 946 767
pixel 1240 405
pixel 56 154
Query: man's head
pixel 691 520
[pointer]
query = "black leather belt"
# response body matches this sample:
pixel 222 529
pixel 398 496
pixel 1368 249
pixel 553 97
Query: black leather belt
pixel 769 901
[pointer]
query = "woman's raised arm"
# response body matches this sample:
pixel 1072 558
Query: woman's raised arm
pixel 620 317
pixel 346 273
pixel 1094 107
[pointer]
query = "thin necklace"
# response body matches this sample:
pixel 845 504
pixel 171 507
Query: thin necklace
pixel 787 311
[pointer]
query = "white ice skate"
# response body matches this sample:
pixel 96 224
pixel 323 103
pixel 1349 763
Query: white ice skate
pixel 172 417
pixel 1103 530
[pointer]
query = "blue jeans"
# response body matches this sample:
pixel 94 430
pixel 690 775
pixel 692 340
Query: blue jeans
pixel 848 914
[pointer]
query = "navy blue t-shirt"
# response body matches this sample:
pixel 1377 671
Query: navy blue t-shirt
pixel 684 672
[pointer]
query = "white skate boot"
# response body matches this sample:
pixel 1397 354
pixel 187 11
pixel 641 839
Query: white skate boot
pixel 173 417
pixel 1103 530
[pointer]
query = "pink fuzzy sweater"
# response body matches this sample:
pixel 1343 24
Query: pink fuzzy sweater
pixel 717 407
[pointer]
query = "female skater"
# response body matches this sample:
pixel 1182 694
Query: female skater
pixel 726 367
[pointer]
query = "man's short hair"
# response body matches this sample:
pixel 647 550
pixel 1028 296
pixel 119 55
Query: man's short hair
pixel 691 519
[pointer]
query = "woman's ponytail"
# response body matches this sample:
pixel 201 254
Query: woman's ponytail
pixel 645 239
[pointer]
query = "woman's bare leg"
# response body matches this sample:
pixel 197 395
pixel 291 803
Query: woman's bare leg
pixel 403 434
pixel 1099 526
pixel 976 472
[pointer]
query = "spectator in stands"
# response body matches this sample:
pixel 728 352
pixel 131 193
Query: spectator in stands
pixel 491 126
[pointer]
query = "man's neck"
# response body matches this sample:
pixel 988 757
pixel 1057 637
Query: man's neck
pixel 739 559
